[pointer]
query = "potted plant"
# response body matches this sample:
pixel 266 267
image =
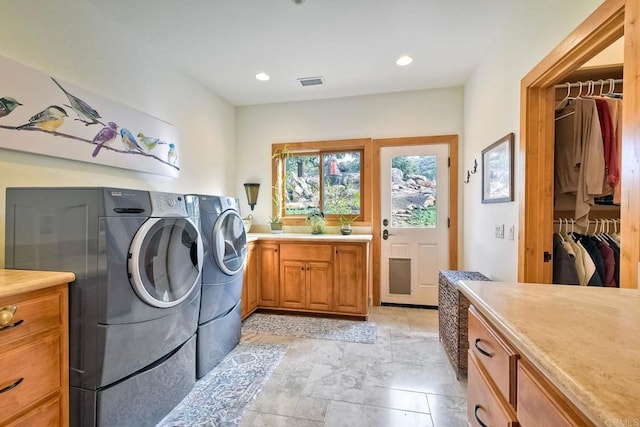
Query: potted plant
pixel 315 219
pixel 276 224
pixel 276 220
pixel 345 223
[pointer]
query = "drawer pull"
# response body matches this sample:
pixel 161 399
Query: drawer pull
pixel 11 386
pixel 481 350
pixel 6 314
pixel 475 413
pixel 13 325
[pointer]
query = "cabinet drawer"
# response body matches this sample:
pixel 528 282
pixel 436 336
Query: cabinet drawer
pixel 485 406
pixel 45 414
pixel 498 359
pixel 36 365
pixel 33 315
pixel 302 252
pixel 540 405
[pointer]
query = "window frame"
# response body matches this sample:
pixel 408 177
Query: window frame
pixel 363 146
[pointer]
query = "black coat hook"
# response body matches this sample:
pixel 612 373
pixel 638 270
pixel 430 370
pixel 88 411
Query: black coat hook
pixel 468 176
pixel 475 166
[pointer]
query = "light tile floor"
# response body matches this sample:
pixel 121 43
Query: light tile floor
pixel 404 379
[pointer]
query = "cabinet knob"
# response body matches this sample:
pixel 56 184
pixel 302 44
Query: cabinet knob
pixel 6 314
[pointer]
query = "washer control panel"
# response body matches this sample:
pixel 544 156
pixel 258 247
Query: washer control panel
pixel 167 204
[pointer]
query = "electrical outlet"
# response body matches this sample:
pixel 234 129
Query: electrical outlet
pixel 500 231
pixel 512 232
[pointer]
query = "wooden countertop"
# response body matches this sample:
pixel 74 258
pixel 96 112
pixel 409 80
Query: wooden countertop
pixel 359 238
pixel 14 282
pixel 586 340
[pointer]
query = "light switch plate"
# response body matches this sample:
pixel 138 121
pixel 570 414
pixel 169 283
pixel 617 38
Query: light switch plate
pixel 500 231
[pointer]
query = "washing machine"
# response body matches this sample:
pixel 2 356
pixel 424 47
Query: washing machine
pixel 134 306
pixel 225 248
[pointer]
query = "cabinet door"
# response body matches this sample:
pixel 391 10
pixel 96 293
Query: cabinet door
pixel 349 286
pixel 319 286
pixel 268 261
pixel 292 284
pixel 250 283
pixel 539 404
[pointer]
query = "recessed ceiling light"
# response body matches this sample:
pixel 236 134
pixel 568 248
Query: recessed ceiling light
pixel 263 77
pixel 404 60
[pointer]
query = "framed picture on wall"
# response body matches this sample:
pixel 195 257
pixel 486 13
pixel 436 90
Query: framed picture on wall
pixel 497 171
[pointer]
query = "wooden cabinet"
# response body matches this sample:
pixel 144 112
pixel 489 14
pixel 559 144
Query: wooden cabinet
pixel 34 364
pixel 350 286
pixel 306 276
pixel 504 389
pixel 311 276
pixel 268 274
pixel 250 284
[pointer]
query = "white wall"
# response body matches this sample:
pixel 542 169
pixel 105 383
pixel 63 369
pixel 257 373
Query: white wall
pixel 492 109
pixel 417 113
pixel 72 40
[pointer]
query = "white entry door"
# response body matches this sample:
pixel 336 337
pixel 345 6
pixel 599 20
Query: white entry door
pixel 415 220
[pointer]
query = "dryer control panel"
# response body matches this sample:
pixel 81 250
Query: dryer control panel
pixel 167 205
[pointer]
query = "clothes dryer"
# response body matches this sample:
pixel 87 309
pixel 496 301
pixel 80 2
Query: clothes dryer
pixel 225 247
pixel 135 302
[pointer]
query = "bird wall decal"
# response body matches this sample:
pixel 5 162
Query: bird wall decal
pixel 172 156
pixel 149 142
pixel 49 119
pixel 104 137
pixel 7 105
pixel 83 109
pixel 129 140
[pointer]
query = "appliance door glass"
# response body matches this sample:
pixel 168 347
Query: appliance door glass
pixel 229 242
pixel 165 261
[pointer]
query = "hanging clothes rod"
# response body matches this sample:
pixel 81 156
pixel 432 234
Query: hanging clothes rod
pixel 594 82
pixel 591 221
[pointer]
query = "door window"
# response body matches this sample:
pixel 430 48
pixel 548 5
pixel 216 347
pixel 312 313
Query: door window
pixel 413 191
pixel 230 240
pixel 166 259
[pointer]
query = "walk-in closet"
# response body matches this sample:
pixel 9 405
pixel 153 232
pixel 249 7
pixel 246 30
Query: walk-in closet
pixel 580 132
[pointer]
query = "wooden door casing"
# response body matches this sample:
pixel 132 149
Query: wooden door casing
pixel 605 25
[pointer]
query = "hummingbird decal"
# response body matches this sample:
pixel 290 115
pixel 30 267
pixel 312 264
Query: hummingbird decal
pixel 87 114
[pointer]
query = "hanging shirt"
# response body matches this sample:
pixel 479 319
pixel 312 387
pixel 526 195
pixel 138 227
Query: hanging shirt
pixel 589 157
pixel 609 264
pixel 564 266
pixel 565 171
pixel 571 246
pixel 615 108
pixel 608 139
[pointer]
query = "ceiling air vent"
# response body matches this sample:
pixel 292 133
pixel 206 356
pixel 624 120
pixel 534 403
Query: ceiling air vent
pixel 311 81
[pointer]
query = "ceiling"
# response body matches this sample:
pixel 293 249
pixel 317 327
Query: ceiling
pixel 352 44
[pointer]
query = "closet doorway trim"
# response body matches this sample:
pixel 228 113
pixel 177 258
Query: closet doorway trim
pixel 604 26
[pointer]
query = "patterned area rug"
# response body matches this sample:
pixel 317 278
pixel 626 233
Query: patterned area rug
pixel 311 327
pixel 222 396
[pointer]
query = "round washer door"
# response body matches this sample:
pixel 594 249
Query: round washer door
pixel 229 242
pixel 165 261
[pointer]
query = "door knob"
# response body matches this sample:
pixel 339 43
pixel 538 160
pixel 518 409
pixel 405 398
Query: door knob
pixel 386 234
